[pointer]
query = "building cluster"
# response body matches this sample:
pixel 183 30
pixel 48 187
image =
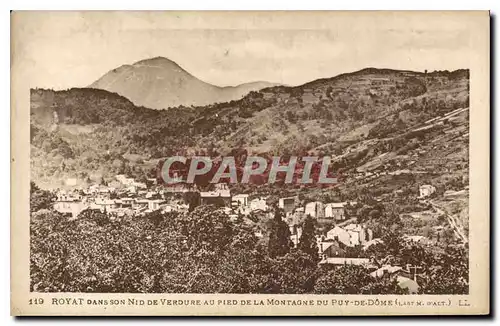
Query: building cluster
pixel 315 209
pixel 132 198
pixel 129 199
pixel 335 247
pixel 343 243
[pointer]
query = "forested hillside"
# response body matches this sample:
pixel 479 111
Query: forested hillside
pixel 89 133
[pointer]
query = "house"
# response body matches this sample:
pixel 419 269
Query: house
pixel 68 196
pixel 93 189
pixel 240 200
pixel 258 204
pixel 140 203
pixel 121 212
pixel 178 188
pixel 154 204
pixel 426 190
pixel 120 177
pixel 335 211
pixel 363 234
pixel 287 204
pixel 351 235
pixel 125 202
pixel 386 270
pixel 139 185
pixel 167 208
pixel 212 198
pixel 315 209
pixel 409 284
pixel 132 189
pixel 70 206
pixel 300 210
pixel 103 205
pixel 104 192
pixel 330 248
pixel 220 196
pixel 152 181
pixel 339 234
pixel 150 194
pixel 124 180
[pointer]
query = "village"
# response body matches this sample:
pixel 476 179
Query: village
pixel 130 198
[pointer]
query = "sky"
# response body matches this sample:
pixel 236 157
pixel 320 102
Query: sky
pixel 73 49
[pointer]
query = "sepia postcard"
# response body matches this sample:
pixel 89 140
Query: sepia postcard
pixel 250 163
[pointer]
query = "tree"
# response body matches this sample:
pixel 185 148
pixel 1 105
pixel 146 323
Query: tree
pixel 374 214
pixel 40 199
pixel 294 272
pixel 447 236
pixel 353 279
pixel 192 199
pixel 279 237
pixel 449 273
pixel 307 241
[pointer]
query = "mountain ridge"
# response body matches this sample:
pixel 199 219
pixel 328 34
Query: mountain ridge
pixel 161 83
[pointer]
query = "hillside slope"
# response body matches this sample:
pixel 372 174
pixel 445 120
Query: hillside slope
pixel 365 119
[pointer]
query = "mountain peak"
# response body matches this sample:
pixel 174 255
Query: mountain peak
pixel 156 62
pixel 161 83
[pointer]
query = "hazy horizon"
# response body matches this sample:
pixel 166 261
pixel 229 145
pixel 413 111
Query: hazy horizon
pixel 240 48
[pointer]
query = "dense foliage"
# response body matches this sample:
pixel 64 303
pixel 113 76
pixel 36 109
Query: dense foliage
pixel 355 280
pixel 307 241
pixel 279 237
pixel 200 252
pixel 39 198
